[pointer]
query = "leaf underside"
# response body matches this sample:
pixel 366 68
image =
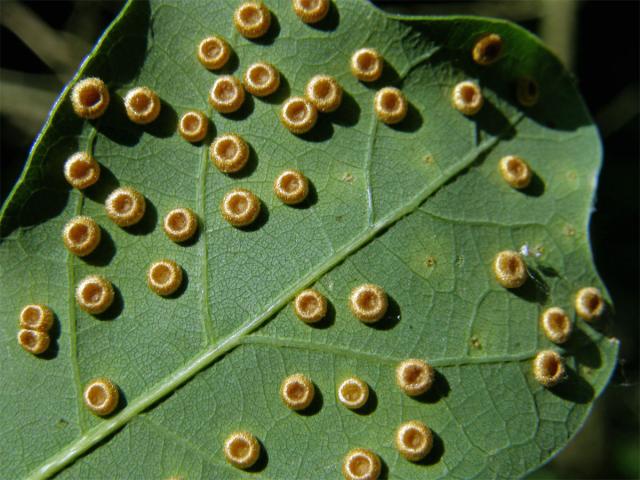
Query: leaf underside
pixel 419 208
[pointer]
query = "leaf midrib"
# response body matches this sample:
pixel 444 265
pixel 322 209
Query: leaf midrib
pixel 205 358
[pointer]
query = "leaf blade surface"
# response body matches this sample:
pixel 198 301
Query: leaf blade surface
pixel 419 209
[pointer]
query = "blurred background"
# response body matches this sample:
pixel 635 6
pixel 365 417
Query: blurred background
pixel 42 43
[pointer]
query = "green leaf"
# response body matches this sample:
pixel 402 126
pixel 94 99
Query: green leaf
pixel 418 208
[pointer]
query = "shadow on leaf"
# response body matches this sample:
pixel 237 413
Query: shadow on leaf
pixel 116 126
pixel 371 405
pixel 183 286
pixel 312 198
pixel 391 317
pixel 280 95
pixel 439 389
pixel 574 389
pixel 390 76
pixel 104 252
pixel 196 236
pixel 384 469
pixel 148 222
pixel 259 222
pixel 250 166
pixel 535 289
pixel 231 66
pixel 328 320
pixel 330 22
pixel 584 349
pixel 535 188
pixel 436 453
pixel 316 404
pixel 99 191
pixel 263 460
pixel 165 125
pixel 122 403
pixel 116 307
pixel 412 122
pixel 271 35
pixel 348 113
pixel 321 132
pixel 43 205
pixel 491 120
pixel 54 334
pixel 244 111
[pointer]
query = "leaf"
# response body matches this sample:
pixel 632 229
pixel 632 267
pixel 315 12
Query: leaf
pixel 418 208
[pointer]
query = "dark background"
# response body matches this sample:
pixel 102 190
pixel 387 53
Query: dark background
pixel 42 44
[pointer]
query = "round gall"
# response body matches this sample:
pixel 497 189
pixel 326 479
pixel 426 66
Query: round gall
pixel 366 65
pixel 589 303
pixel 94 294
pixel 213 53
pixel 467 98
pixel 81 170
pixel 33 341
pixel 414 440
pixel 242 450
pixel 90 98
pixel 164 277
pixel 193 126
pixel 353 393
pixel 142 105
pixel 324 92
pixel 390 105
pixel 310 306
pixel 311 11
pixel 297 392
pixel 229 153
pixel 240 207
pixel 125 206
pixel 414 376
pixel 556 325
pixel 298 115
pixel 227 94
pixel 81 235
pixel 361 464
pixel 180 224
pixel 527 91
pixel 101 396
pixel 36 317
pixel 368 303
pixel 291 187
pixel 509 269
pixel 252 19
pixel 261 79
pixel 548 368
pixel 487 50
pixel 515 171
